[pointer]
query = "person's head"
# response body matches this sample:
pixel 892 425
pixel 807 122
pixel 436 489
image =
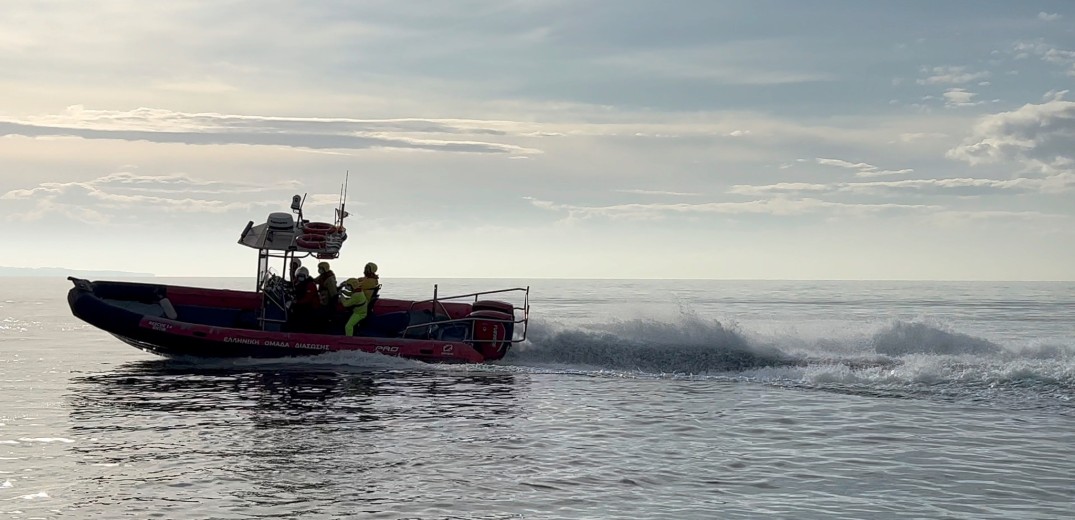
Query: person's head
pixel 296 263
pixel 353 283
pixel 302 274
pixel 371 268
pixel 322 267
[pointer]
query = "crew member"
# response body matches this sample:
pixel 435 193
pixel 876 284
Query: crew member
pixel 361 295
pixel 294 268
pixel 326 284
pixel 304 310
pixel 369 281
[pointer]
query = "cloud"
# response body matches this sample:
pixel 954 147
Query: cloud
pixel 656 192
pixel 183 184
pixel 909 137
pixel 950 76
pixel 778 206
pixel 1038 137
pixel 954 216
pixel 780 188
pixel 958 97
pixel 734 63
pixel 125 195
pixel 205 86
pixel 164 126
pixel 1025 49
pixel 880 173
pixel 921 186
pixel 862 169
pixel 845 164
pixel 1055 95
pixel 1065 58
pixel 1061 57
pixel 1049 17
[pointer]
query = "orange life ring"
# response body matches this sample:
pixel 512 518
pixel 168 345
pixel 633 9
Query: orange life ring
pixel 318 228
pixel 310 241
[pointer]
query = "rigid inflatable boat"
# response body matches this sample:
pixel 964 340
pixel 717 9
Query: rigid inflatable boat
pixel 175 320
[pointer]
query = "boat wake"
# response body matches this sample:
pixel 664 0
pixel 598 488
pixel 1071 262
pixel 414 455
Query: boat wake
pixel 902 338
pixel 894 358
pixel 647 346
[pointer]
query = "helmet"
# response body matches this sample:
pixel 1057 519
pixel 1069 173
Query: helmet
pixel 371 267
pixel 322 267
pixel 353 283
pixel 302 272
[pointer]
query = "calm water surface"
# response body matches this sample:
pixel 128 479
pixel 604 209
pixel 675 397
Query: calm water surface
pixel 632 399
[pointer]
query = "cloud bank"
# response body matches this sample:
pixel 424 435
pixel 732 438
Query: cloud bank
pixel 163 126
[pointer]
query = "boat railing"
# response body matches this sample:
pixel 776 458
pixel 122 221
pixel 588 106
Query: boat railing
pixel 437 302
pixel 516 336
pixel 274 292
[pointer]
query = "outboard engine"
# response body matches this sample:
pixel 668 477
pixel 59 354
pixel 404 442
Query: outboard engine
pixel 492 327
pixel 498 306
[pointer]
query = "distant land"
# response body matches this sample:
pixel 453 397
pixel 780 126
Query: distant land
pixel 63 272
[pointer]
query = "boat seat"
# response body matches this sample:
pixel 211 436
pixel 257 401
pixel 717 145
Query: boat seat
pixel 373 298
pixel 169 309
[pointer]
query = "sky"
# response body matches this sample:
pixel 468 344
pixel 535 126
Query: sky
pixel 757 139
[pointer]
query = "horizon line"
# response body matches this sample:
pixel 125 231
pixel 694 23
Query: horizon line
pixel 688 279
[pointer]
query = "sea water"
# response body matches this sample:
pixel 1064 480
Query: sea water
pixel 630 399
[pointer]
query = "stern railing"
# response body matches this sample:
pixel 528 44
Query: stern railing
pixel 438 301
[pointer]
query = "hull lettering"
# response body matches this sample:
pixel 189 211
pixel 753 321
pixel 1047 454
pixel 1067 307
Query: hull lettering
pixel 244 341
pixel 313 346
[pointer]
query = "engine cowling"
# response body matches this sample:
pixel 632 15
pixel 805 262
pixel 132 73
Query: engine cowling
pixel 491 332
pixel 493 305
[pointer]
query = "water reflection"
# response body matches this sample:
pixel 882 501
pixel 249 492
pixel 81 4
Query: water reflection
pixel 267 437
pixel 291 394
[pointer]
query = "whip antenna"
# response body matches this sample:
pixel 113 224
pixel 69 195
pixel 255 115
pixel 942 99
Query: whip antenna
pixel 343 198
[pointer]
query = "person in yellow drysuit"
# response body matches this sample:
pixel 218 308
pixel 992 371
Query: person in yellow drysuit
pixel 361 294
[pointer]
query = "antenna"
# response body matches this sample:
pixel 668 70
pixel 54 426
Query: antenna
pixel 343 187
pixel 342 212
